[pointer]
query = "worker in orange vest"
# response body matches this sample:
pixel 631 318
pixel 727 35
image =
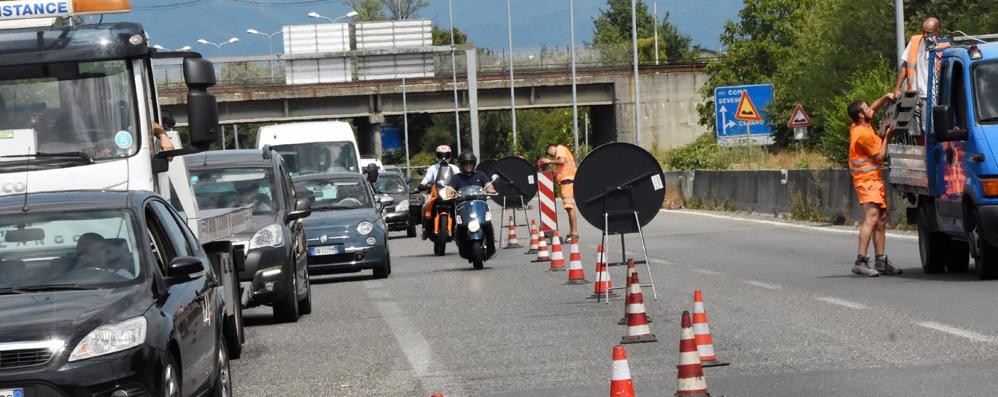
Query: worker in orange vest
pixel 564 174
pixel 867 152
pixel 914 72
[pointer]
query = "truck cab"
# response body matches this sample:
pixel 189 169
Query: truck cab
pixel 955 193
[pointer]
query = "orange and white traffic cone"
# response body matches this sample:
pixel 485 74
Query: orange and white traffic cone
pixel 576 274
pixel 690 372
pixel 557 257
pixel 512 241
pixel 620 379
pixel 631 269
pixel 533 238
pixel 542 251
pixel 437 395
pixel 705 342
pixel 637 324
pixel 602 287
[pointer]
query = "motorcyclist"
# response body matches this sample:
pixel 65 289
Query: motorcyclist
pixel 443 153
pixel 469 175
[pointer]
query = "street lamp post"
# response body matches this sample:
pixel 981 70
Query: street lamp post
pixel 899 29
pixel 346 41
pixel 637 84
pixel 270 38
pixel 218 46
pixel 512 88
pixel 575 102
pixel 453 71
pixel 181 49
pixel 654 25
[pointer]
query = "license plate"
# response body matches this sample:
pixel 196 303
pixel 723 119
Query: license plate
pixel 319 251
pixel 11 392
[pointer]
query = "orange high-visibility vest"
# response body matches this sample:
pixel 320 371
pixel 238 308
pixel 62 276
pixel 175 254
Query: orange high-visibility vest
pixel 911 59
pixel 862 163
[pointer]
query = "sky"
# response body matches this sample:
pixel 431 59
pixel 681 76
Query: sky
pixel 176 23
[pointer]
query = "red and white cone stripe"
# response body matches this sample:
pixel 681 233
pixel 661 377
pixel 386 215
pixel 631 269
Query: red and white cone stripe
pixel 576 274
pixel 701 329
pixel 638 330
pixel 602 287
pixel 533 238
pixel 542 251
pixel 691 381
pixel 557 257
pixel 512 241
pixel 620 379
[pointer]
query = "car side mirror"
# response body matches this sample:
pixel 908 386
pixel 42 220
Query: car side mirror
pixel 942 125
pixel 184 267
pixel 202 109
pixel 303 208
pixel 385 201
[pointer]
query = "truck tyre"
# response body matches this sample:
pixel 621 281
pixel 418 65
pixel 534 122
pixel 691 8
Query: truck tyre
pixel 958 256
pixel 931 244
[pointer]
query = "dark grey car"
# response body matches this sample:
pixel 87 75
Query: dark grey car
pixel 397 217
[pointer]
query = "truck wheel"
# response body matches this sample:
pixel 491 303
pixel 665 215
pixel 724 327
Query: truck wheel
pixel 931 245
pixel 958 256
pixel 985 255
pixel 286 311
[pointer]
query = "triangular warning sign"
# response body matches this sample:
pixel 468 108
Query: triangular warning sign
pixel 799 118
pixel 746 110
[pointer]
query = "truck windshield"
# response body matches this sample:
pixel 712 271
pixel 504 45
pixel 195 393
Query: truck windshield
pixel 234 188
pixel 986 92
pixel 319 157
pixel 67 250
pixel 83 108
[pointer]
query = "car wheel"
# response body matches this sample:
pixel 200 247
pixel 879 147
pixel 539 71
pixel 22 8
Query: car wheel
pixel 386 266
pixel 171 378
pixel 305 305
pixel 411 231
pixel 286 311
pixel 223 378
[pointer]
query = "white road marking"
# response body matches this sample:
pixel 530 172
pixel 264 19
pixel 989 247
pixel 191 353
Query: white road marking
pixel 662 261
pixel 842 302
pixel 974 336
pixel 707 272
pixel 761 284
pixel 416 349
pixel 789 225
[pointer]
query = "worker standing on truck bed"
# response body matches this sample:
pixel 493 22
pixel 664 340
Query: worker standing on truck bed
pixel 867 152
pixel 914 72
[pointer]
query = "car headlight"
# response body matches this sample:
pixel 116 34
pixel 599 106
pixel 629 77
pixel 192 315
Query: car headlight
pixel 365 228
pixel 474 226
pixel 403 206
pixel 112 338
pixel 270 236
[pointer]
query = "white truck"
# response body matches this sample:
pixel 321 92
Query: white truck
pixel 77 107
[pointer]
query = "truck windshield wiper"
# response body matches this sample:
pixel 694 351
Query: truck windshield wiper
pixel 49 287
pixel 79 155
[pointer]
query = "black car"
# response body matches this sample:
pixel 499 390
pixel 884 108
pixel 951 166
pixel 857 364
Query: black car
pixel 275 271
pixel 107 294
pixel 393 184
pixel 345 230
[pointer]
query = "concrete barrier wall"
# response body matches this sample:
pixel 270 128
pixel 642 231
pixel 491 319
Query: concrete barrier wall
pixel 824 194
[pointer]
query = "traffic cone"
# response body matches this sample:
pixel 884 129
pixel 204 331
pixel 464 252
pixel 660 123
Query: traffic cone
pixel 437 395
pixel 533 238
pixel 690 373
pixel 512 241
pixel 705 343
pixel 602 287
pixel 576 274
pixel 631 269
pixel 557 257
pixel 620 378
pixel 637 324
pixel 542 251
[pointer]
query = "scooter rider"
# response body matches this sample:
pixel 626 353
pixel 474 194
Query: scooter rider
pixel 469 175
pixel 443 153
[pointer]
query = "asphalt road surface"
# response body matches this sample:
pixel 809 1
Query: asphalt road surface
pixel 784 310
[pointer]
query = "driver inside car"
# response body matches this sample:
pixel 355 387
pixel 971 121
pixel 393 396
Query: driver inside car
pixel 469 176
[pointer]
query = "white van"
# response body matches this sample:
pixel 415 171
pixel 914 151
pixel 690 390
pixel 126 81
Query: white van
pixel 313 147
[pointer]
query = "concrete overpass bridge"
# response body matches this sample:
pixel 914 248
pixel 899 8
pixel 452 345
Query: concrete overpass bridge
pixel 669 96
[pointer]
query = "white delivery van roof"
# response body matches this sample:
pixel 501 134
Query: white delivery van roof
pixel 305 132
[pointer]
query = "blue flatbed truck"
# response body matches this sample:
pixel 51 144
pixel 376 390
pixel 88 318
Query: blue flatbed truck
pixel 949 174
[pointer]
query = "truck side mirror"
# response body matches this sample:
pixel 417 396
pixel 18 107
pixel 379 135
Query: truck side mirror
pixel 942 125
pixel 202 110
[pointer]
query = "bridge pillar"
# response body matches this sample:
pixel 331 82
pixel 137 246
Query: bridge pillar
pixel 368 135
pixel 604 125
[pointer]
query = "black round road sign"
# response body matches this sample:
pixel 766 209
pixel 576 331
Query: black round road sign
pixel 515 180
pixel 486 166
pixel 618 179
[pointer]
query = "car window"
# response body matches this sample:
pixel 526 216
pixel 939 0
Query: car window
pixel 235 188
pixel 333 194
pixel 287 188
pixel 174 235
pixel 390 184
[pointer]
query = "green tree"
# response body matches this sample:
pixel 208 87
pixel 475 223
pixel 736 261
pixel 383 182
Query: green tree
pixel 612 34
pixel 367 10
pixel 442 36
pixel 404 9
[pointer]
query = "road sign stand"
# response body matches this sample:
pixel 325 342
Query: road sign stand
pixel 637 222
pixel 502 217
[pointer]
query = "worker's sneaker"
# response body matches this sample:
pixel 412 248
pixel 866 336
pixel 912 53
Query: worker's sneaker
pixel 862 267
pixel 883 266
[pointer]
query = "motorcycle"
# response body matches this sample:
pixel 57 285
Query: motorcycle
pixel 475 236
pixel 440 225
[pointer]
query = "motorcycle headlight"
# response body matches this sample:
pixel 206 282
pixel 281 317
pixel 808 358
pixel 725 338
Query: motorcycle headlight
pixel 365 228
pixel 474 226
pixel 488 216
pixel 403 206
pixel 112 338
pixel 270 236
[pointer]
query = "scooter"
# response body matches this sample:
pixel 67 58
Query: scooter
pixel 440 225
pixel 475 236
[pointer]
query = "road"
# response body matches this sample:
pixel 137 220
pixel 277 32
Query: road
pixel 784 310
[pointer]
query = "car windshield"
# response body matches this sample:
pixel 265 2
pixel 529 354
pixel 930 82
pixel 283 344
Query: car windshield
pixel 389 184
pixel 234 188
pixel 318 157
pixel 336 194
pixel 986 92
pixel 67 108
pixel 67 250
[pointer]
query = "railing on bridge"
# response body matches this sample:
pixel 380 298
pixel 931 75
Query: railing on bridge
pixel 265 70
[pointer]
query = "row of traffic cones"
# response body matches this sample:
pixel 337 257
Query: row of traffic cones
pixel 690 376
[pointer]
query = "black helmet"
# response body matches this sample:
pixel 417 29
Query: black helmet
pixel 443 153
pixel 466 157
